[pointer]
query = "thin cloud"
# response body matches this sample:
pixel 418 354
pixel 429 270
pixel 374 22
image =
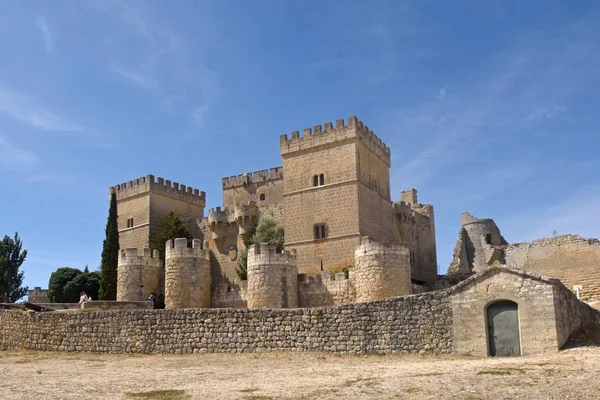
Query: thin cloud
pixel 21 108
pixel 43 26
pixel 441 93
pixel 134 78
pixel 13 158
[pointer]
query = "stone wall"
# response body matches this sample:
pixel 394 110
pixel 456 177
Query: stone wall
pixel 38 295
pixel 409 324
pixel 326 289
pixel 570 258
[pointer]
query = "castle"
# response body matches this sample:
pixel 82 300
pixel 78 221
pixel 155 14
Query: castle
pixel 346 240
pixel 332 196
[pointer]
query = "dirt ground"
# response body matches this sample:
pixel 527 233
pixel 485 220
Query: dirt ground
pixel 569 374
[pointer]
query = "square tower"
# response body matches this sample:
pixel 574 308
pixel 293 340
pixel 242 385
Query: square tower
pixel 336 189
pixel 143 202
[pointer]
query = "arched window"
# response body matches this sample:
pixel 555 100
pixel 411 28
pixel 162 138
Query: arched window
pixel 320 231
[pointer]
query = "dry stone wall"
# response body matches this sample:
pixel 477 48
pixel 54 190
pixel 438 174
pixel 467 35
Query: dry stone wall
pixel 412 324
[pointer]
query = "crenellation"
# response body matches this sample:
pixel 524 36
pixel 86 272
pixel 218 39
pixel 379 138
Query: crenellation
pixel 354 129
pixel 147 184
pixel 250 177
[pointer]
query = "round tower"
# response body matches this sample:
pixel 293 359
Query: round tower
pixel 480 237
pixel 381 271
pixel 187 274
pixel 272 278
pixel 138 275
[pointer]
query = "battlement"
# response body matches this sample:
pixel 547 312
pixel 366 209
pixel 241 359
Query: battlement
pixel 245 210
pixel 218 215
pixel 130 255
pixel 466 219
pixel 180 247
pixel 256 176
pixel 319 136
pixel 266 254
pixel 160 185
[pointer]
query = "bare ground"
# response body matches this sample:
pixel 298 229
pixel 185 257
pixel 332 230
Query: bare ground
pixel 569 374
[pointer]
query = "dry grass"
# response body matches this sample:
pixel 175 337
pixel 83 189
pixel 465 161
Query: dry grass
pixel 297 376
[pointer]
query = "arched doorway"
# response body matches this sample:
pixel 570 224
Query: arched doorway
pixel 503 329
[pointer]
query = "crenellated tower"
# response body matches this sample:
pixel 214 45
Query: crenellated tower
pixel 138 275
pixel 187 274
pixel 143 202
pixel 336 189
pixel 272 278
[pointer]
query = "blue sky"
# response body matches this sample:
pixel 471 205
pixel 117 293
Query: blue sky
pixel 489 107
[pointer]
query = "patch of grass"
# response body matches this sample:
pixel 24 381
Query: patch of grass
pixel 250 390
pixel 413 390
pixel 429 374
pixel 169 394
pixel 505 371
pixel 471 398
pixel 24 361
pixel 259 398
pixel 364 381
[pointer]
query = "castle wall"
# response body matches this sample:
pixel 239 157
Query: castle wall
pixel 375 215
pixel 570 258
pixel 326 289
pixel 423 247
pixel 187 275
pixel 272 278
pixel 138 275
pixel 161 205
pixel 382 271
pixel 439 322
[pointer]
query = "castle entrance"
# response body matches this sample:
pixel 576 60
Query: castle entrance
pixel 503 329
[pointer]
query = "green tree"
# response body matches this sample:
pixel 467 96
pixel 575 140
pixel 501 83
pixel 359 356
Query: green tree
pixel 67 283
pixel 59 279
pixel 169 227
pixel 265 231
pixel 11 279
pixel 110 254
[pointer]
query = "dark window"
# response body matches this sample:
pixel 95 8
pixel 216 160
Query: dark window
pixel 316 180
pixel 130 222
pixel 262 197
pixel 319 180
pixel 322 179
pixel 320 231
pixel 488 238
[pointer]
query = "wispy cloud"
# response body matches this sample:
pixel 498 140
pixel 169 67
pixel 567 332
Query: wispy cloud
pixel 43 26
pixel 441 93
pixel 20 107
pixel 199 115
pixel 13 158
pixel 134 78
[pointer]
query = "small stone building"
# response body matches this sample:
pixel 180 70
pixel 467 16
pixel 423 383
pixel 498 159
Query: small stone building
pixel 506 311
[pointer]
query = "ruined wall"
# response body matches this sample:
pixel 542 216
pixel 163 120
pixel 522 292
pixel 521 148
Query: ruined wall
pixel 572 315
pixel 187 275
pixel 382 270
pixel 570 258
pixel 138 275
pixel 412 324
pixel 272 278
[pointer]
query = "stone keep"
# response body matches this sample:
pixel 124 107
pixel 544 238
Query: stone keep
pixel 138 275
pixel 187 274
pixel 272 278
pixel 382 270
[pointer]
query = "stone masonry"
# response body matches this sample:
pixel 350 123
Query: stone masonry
pixel 570 258
pixel 187 274
pixel 447 321
pixel 138 275
pixel 381 271
pixel 272 278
